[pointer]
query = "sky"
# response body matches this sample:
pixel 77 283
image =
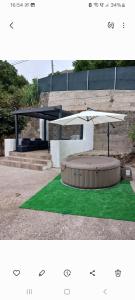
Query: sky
pixel 39 68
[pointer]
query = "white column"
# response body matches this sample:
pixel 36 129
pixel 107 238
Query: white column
pixel 88 136
pixel 55 150
pixel 41 128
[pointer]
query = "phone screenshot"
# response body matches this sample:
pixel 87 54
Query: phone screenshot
pixel 67 149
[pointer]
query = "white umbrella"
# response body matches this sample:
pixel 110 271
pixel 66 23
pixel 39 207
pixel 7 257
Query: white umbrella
pixel 91 117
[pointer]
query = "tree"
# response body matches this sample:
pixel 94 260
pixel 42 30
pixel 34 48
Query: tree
pixel 82 65
pixel 55 73
pixel 15 92
pixel 125 63
pixel 30 96
pixel 9 78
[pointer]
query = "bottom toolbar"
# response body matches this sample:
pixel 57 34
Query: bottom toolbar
pixel 67 270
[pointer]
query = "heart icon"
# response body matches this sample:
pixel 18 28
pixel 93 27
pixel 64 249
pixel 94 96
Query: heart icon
pixel 16 272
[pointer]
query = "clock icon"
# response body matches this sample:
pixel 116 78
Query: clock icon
pixel 67 273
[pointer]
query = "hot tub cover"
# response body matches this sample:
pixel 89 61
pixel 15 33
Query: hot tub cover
pixel 91 162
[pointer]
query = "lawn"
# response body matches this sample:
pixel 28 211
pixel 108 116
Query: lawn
pixel 117 202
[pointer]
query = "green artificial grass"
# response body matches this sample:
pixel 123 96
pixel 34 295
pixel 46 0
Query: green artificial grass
pixel 117 202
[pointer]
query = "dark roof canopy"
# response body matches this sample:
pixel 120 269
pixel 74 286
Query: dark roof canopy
pixel 48 113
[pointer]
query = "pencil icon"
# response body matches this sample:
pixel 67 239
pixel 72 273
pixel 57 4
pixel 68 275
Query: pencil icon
pixel 42 273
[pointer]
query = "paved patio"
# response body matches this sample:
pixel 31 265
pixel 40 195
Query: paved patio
pixel 16 185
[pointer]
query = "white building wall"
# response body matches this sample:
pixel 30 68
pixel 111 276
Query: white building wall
pixel 60 149
pixel 9 145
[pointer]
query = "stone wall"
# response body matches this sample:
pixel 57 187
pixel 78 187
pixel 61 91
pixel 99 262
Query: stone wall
pixel 119 140
pixel 57 132
pixel 107 100
pixel 112 101
pixel 32 129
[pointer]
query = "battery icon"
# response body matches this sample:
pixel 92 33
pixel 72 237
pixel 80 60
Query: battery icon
pixel 33 4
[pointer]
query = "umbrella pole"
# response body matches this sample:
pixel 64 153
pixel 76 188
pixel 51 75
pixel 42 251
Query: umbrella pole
pixel 108 134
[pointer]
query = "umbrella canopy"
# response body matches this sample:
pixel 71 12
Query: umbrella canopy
pixel 90 117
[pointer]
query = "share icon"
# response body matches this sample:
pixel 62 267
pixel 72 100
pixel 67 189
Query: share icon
pixel 93 273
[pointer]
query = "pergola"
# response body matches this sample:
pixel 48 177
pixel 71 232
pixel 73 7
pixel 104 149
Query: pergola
pixel 46 113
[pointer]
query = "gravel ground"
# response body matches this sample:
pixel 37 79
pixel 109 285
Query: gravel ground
pixel 16 185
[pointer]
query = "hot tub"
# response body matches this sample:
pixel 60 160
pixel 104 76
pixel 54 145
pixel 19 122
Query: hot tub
pixel 89 172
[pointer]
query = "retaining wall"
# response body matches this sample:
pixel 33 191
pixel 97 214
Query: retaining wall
pixel 103 100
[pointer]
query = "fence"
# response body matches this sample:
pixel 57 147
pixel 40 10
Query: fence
pixel 120 78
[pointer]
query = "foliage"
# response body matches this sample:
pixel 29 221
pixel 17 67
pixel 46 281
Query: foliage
pixel 9 79
pixel 55 73
pixel 132 133
pixel 30 95
pixel 7 127
pixel 15 93
pixel 82 65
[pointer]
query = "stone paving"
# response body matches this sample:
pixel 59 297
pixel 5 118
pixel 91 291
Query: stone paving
pixel 16 185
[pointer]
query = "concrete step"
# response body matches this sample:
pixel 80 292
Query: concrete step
pixel 28 159
pixel 25 165
pixel 32 154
